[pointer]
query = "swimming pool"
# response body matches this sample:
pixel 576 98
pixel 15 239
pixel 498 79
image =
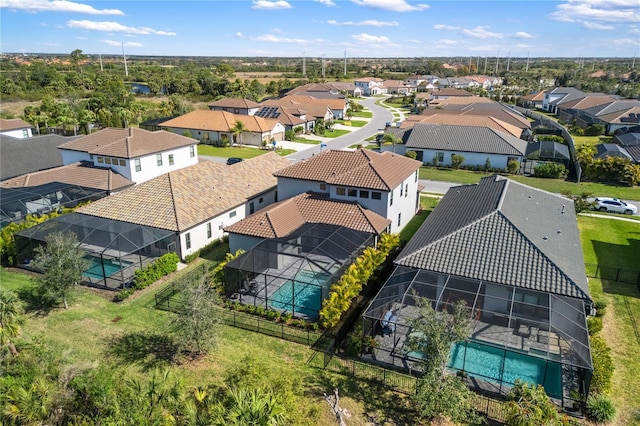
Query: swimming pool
pixel 111 266
pixel 496 365
pixel 302 294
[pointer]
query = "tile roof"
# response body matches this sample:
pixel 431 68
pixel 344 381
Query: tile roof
pixel 464 120
pixel 537 96
pixel 311 109
pixel 281 219
pixel 234 103
pixel 464 139
pixel 634 152
pixel 566 94
pixel 219 121
pixel 183 198
pixel 627 139
pixel 281 114
pixel 20 156
pixel 13 124
pixel 588 101
pixel 452 91
pixel 361 168
pixel 504 232
pixel 127 143
pixel 81 173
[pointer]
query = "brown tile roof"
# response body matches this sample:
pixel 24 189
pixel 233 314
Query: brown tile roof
pixel 234 103
pixel 361 168
pixel 368 79
pixel 487 108
pixel 81 174
pixel 459 100
pixel 183 198
pixel 296 107
pixel 219 121
pixel 587 102
pixel 452 91
pixel 538 96
pixel 13 124
pixel 618 117
pixel 127 143
pixel 464 120
pixel 282 218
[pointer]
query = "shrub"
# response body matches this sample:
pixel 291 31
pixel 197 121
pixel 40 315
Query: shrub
pixel 123 294
pixel 487 164
pixel 552 138
pixel 530 405
pixel 204 250
pixel 600 408
pixel 594 324
pixel 550 170
pixel 456 161
pixel 596 129
pixel 513 166
pixel 411 154
pixel 289 135
pixel 164 265
pixel 601 381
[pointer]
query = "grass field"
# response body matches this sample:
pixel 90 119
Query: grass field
pixel 551 185
pixel 427 204
pixel 352 123
pixel 300 139
pixel 240 152
pixel 617 243
pixel 335 133
pixel 591 140
pixel 362 114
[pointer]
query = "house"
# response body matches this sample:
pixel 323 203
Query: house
pixel 327 90
pixel 627 139
pixel 235 106
pixel 211 127
pixel 559 95
pixel 616 115
pixel 18 156
pixel 370 86
pixel 572 110
pixel 290 118
pixel 306 107
pixel 464 120
pixel 532 100
pixel 195 203
pixel 605 150
pixel 450 92
pixel 281 219
pixel 634 152
pixel 512 253
pixel 439 143
pixel 399 87
pixel 136 154
pixel 15 128
pixel 386 183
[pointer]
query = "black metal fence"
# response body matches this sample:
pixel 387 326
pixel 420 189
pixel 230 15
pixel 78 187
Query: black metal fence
pixel 626 276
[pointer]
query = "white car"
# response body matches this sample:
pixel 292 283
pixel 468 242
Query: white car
pixel 605 204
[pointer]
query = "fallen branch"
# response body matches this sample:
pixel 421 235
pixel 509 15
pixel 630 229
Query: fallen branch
pixel 335 407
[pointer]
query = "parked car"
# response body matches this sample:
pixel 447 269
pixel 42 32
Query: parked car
pixel 605 204
pixel 234 160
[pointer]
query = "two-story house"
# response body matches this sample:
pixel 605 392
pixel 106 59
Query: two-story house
pixel 370 86
pixel 15 128
pixel 136 154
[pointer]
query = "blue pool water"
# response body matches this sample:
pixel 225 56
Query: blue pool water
pixel 110 267
pixel 302 294
pixel 489 363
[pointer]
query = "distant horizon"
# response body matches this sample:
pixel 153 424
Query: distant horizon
pixel 316 28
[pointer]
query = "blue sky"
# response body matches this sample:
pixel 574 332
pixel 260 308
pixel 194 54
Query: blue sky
pixel 362 28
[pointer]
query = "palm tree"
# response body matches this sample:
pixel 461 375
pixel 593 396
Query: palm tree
pixel 10 319
pixel 255 407
pixel 391 139
pixel 237 130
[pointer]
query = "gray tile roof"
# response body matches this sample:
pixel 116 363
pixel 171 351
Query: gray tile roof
pixel 570 94
pixel 504 232
pixel 20 156
pixel 634 152
pixel 464 139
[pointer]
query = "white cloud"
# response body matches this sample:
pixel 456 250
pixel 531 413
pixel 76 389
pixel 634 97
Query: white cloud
pixel 368 38
pixel 272 38
pixel 56 6
pixel 625 42
pixel 597 10
pixel 481 32
pixel 414 41
pixel 115 27
pixel 118 43
pixel 392 5
pixel 522 34
pixel 368 22
pixel 270 5
pixel 596 26
pixel 327 3
pixel 239 35
pixel 448 42
pixel 445 27
pixel 51 44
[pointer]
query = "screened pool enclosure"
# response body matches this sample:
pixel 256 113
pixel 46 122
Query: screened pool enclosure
pixel 515 333
pixel 294 274
pixel 114 249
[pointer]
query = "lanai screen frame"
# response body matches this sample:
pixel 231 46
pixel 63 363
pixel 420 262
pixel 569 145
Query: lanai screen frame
pixel 551 315
pixel 258 277
pixel 115 244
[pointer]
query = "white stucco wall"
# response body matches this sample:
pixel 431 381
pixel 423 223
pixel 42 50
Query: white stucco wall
pixel 498 161
pixel 18 133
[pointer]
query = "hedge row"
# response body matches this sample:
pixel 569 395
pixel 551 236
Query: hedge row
pixel 354 278
pixel 204 250
pixel 164 265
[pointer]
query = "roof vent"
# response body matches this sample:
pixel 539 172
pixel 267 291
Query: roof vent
pixel 559 232
pixel 562 211
pixel 545 238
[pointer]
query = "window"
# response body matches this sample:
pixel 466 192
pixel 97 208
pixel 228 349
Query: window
pixel 401 190
pixel 90 156
pixel 340 191
pixel 376 195
pixel 187 240
pixel 416 176
pixel 107 160
pixel 171 159
pixel 232 214
pixel 192 151
pixel 399 218
pixel 209 230
pixel 406 189
pixel 137 164
pixel 159 159
pixel 440 156
pixel 252 208
pixel 123 163
pixel 364 194
pixel 25 133
pixel 352 192
pixel 323 187
pixel 260 200
pixel 391 198
pixel 100 160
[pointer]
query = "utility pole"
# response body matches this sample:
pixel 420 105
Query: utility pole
pixel 304 64
pixel 486 58
pixel 323 65
pixel 478 65
pixel 101 69
pixel 527 70
pixel 469 65
pixel 345 63
pixel 508 60
pixel 126 70
pixel 497 59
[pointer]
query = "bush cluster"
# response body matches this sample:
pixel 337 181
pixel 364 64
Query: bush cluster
pixel 550 170
pixel 354 278
pixel 204 250
pixel 552 138
pixel 600 408
pixel 164 265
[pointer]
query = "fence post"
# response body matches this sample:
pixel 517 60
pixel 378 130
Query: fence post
pixel 597 271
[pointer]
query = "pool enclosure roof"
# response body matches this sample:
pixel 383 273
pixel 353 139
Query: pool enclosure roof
pixel 18 202
pixel 98 235
pixel 321 247
pixel 547 150
pixel 537 323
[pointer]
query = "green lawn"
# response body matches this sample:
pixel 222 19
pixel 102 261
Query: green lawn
pixel 551 185
pixel 335 133
pixel 240 152
pixel 367 146
pixel 352 123
pixel 305 140
pixel 591 140
pixel 362 114
pixel 427 204
pixel 617 243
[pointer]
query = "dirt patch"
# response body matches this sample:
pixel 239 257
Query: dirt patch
pixel 116 319
pixel 15 108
